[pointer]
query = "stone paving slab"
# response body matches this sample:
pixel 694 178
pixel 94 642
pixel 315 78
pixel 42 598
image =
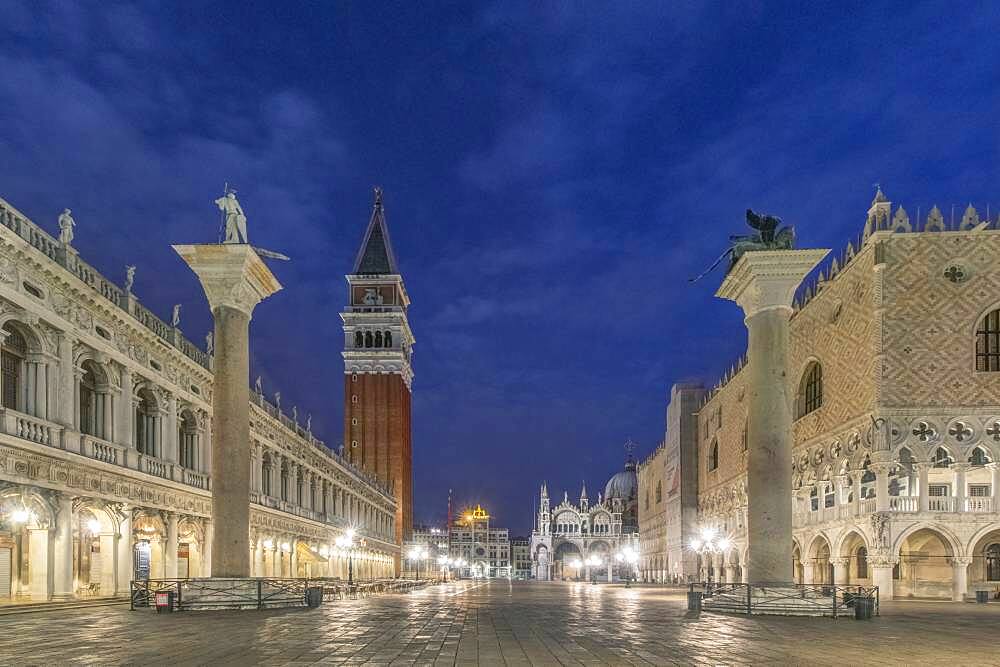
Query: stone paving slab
pixel 501 623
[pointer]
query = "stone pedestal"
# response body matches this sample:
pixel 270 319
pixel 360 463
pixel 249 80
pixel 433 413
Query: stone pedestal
pixel 235 280
pixel 763 283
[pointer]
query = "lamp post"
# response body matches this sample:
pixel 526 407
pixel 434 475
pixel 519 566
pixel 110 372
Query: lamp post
pixel 628 556
pixel 594 561
pixel 345 543
pixel 418 554
pixel 577 564
pixel 710 544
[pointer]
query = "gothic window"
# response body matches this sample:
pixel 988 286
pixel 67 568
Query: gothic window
pixel 388 339
pixel 369 341
pixel 187 440
pixel 378 339
pixel 810 389
pixel 979 457
pixel 941 458
pixel 814 499
pixel 147 423
pixel 12 358
pixel 993 562
pixel 265 474
pixel 359 339
pixel 862 557
pixel 713 456
pixel 988 342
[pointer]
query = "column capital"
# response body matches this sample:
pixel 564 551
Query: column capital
pixel 840 561
pixel 232 274
pixel 923 465
pixel 881 468
pixel 960 467
pixel 961 561
pixel 767 279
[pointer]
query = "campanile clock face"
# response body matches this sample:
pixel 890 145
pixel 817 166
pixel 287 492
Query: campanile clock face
pixel 373 295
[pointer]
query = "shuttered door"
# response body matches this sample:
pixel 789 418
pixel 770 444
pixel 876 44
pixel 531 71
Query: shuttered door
pixel 4 572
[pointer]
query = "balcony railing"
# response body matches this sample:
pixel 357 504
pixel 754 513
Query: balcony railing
pixel 102 450
pixel 31 428
pixel 903 503
pixel 867 505
pixel 942 504
pixel 979 505
pixel 157 467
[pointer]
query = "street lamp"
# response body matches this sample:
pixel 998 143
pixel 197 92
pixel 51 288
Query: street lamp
pixel 576 563
pixel 629 556
pixel 418 554
pixel 710 544
pixel 594 561
pixel 345 543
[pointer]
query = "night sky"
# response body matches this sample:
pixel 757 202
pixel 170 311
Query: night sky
pixel 553 173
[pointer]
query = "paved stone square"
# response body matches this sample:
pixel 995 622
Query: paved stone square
pixel 501 623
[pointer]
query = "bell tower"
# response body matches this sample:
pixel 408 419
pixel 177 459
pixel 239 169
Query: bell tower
pixel 378 348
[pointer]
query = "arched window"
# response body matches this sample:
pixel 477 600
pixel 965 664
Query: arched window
pixel 659 492
pixel 187 440
pixel 147 424
pixel 378 339
pixel 359 339
pixel 265 474
pixel 713 456
pixel 810 389
pixel 388 339
pixel 941 458
pixel 979 457
pixel 993 562
pixel 862 557
pixel 88 400
pixel 368 339
pixel 988 342
pixel 12 358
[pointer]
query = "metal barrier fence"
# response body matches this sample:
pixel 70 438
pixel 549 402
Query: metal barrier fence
pixel 255 593
pixel 787 600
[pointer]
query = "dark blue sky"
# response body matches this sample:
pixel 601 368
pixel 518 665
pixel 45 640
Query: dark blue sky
pixel 554 173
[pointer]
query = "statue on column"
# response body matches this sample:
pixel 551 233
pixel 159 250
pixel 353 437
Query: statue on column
pixel 233 217
pixel 66 225
pixel 210 343
pixel 767 236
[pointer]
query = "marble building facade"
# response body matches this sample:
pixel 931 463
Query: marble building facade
pixel 894 363
pixel 105 432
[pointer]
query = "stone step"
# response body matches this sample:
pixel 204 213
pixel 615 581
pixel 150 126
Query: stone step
pixel 33 607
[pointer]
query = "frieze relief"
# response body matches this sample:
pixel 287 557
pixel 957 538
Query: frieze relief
pixel 24 467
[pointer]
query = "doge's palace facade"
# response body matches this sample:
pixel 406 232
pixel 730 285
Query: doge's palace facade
pixel 105 445
pixel 894 363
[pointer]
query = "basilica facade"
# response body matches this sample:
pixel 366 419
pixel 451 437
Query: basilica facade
pixel 105 456
pixel 894 374
pixel 582 541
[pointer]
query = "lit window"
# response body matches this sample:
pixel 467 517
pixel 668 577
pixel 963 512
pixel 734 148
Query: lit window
pixel 811 390
pixel 988 342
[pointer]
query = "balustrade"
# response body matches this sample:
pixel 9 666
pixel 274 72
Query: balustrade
pixel 903 503
pixel 102 450
pixel 867 505
pixel 979 505
pixel 942 504
pixel 154 466
pixel 31 428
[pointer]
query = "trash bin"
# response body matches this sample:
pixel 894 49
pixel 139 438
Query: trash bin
pixel 694 601
pixel 863 608
pixel 164 602
pixel 982 597
pixel 314 596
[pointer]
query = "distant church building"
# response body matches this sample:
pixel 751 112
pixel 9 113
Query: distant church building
pixel 569 540
pixel 378 348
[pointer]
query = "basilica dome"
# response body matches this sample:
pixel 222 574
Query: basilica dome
pixel 624 485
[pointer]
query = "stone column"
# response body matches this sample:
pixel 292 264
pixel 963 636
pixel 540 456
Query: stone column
pixel 40 564
pixel 881 471
pixel 172 447
pixel 170 557
pixel 206 567
pixel 840 571
pixel 125 554
pixel 959 578
pixel 881 569
pixel 858 474
pixel 235 280
pixel 925 497
pixel 258 558
pixel 763 283
pixel 62 585
pixel 807 571
pixel 994 469
pixel 125 433
pixel 960 488
pixel 109 563
pixel 64 395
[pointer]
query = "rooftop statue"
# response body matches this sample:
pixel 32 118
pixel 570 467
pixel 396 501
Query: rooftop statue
pixel 66 224
pixel 769 235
